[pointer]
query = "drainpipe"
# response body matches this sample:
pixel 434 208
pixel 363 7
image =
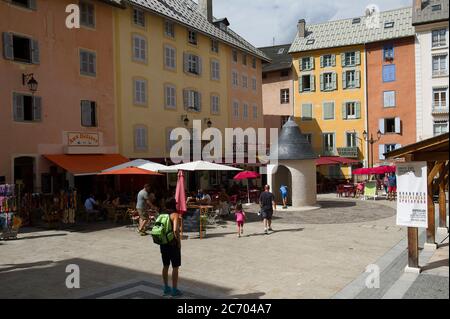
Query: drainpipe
pixel 366 124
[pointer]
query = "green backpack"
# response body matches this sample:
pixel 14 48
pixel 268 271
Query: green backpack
pixel 162 232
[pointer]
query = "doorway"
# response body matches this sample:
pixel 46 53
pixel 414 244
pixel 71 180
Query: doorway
pixel 282 176
pixel 24 173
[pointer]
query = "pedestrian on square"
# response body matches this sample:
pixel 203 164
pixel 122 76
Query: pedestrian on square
pixel 386 183
pixel 392 186
pixel 145 200
pixel 268 206
pixel 240 219
pixel 284 195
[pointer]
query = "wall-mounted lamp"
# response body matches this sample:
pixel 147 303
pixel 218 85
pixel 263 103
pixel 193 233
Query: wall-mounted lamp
pixel 185 120
pixel 208 122
pixel 30 81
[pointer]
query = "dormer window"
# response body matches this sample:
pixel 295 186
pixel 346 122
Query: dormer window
pixel 389 25
pixel 281 51
pixel 310 42
pixel 223 26
pixel 436 7
pixel 192 37
pixel 356 21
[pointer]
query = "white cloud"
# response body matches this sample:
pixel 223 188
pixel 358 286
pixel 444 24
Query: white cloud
pixel 260 21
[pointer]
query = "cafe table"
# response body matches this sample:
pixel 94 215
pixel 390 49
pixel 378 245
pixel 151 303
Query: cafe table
pixel 203 209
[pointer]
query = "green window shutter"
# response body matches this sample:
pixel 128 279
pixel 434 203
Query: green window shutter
pixel 358 58
pixel 321 61
pixel 358 110
pixel 37 108
pixel 200 68
pixel 333 59
pixel 344 80
pixel 311 60
pixel 313 83
pixel 35 52
pixel 322 82
pixel 334 81
pixel 186 99
pixel 199 105
pixel 300 62
pixel 343 59
pixel 186 62
pixel 18 107
pixel 358 79
pixel 8 48
pixel 300 84
pixel 344 111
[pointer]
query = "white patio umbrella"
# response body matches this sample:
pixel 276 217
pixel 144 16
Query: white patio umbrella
pixel 199 166
pixel 139 163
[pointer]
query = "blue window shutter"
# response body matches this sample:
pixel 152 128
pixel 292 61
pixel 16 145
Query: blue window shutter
pixel 18 110
pixel 381 151
pixel 344 111
pixel 333 59
pixel 35 52
pixel 322 82
pixel 8 48
pixel 398 146
pixel 37 108
pixel 312 63
pixel 32 4
pixel 358 110
pixel 343 59
pixel 300 62
pixel 334 80
pixel 357 58
pixel 321 61
pixel 300 84
pixel 381 126
pixel 398 125
pixel 358 79
pixel 344 80
pixel 313 83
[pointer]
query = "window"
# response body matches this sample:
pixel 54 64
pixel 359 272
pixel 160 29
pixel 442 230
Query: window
pixel 351 139
pixel 170 57
pixel 255 112
pixel 140 138
pixel 20 49
pixel 235 79
pixel 307 110
pixel 308 137
pixel 235 110
pixel 235 56
pixel 244 59
pixel 192 64
pixel 307 64
pixel 215 104
pixel 192 100
pixel 170 96
pixel 439 38
pixel 139 48
pixel 284 96
pixel 307 83
pixel 88 113
pixel 351 58
pixel 88 63
pixel 328 111
pixel 169 29
pixel 351 79
pixel 27 108
pixel 440 127
pixel 215 70
pixel 140 92
pixel 139 17
pixel 310 42
pixel 245 111
pixel 215 46
pixel 440 65
pixel 436 7
pixel 328 143
pixel 389 148
pixel 328 81
pixel 244 81
pixel 192 37
pixel 328 60
pixel 388 53
pixel 351 110
pixel 390 126
pixel 389 25
pixel 389 99
pixel 30 4
pixel 440 99
pixel 389 73
pixel 284 73
pixel 254 62
pixel 356 21
pixel 254 84
pixel 87 14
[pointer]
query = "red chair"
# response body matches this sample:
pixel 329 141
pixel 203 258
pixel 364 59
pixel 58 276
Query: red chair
pixel 340 190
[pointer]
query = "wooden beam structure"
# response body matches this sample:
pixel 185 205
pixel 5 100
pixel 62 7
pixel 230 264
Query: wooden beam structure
pixel 442 197
pixel 433 169
pixel 413 247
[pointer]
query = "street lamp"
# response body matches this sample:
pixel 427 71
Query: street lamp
pixel 372 141
pixel 30 81
pixel 185 120
pixel 208 122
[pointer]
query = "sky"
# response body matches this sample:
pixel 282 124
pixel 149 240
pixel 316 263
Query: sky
pixel 262 21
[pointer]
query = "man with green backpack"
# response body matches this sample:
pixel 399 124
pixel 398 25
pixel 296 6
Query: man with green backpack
pixel 166 233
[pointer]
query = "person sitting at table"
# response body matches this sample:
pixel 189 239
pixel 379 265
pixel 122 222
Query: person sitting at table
pixel 91 206
pixel 203 197
pixel 224 203
pixel 192 198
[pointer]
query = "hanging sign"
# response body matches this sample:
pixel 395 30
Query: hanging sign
pixel 83 139
pixel 412 200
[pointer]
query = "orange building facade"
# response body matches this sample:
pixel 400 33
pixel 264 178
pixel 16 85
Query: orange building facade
pixel 391 92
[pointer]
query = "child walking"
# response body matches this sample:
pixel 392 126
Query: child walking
pixel 240 219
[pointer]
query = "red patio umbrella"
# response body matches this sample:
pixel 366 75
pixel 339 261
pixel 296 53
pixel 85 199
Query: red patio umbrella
pixel 384 170
pixel 131 171
pixel 362 171
pixel 180 194
pixel 247 175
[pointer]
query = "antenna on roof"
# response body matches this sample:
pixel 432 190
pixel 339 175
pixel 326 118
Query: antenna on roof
pixel 273 41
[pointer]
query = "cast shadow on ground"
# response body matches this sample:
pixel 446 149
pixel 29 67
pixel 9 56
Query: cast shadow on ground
pixel 40 236
pixel 10 267
pixel 436 264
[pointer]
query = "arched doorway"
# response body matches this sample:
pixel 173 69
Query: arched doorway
pixel 24 173
pixel 282 176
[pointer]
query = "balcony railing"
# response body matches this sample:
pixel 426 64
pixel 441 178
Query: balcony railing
pixel 439 109
pixel 439 73
pixel 350 152
pixel 329 152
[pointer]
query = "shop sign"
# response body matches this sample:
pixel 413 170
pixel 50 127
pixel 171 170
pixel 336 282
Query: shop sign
pixel 83 139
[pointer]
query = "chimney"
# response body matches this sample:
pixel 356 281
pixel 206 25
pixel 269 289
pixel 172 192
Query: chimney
pixel 301 26
pixel 206 9
pixel 419 4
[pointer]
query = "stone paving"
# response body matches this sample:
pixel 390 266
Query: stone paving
pixel 309 255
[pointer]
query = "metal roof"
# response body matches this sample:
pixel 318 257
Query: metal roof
pixel 293 145
pixel 281 59
pixel 341 33
pixel 428 13
pixel 185 12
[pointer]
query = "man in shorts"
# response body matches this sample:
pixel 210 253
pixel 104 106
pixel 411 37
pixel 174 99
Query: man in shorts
pixel 171 253
pixel 268 206
pixel 144 201
pixel 284 195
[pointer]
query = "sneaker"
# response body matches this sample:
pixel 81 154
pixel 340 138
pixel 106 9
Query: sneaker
pixel 167 291
pixel 266 232
pixel 270 229
pixel 176 293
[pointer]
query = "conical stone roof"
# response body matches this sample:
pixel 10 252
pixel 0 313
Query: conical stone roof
pixel 293 145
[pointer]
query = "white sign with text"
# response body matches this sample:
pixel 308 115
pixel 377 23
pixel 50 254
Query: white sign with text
pixel 412 200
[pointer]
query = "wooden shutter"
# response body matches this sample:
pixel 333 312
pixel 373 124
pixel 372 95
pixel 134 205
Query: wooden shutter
pixel 333 59
pixel 398 125
pixel 358 58
pixel 8 48
pixel 321 61
pixel 381 150
pixel 343 59
pixel 18 107
pixel 381 126
pixel 334 81
pixel 32 4
pixel 344 111
pixel 322 82
pixel 35 59
pixel 344 80
pixel 358 79
pixel 86 113
pixel 37 108
pixel 358 109
pixel 313 83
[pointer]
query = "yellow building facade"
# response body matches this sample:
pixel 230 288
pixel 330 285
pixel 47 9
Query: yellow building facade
pixel 330 102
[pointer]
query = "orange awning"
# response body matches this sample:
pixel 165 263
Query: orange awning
pixel 80 165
